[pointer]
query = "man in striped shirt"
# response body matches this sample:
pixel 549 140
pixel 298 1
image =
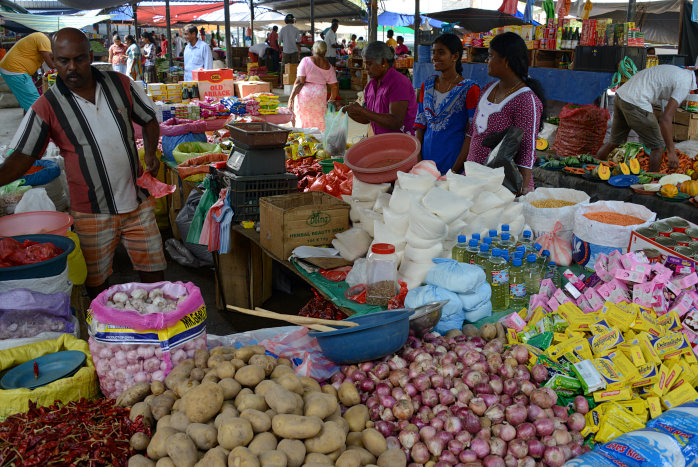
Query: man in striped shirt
pixel 89 115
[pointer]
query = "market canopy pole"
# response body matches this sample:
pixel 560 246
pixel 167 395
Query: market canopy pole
pixel 169 33
pixel 251 22
pixel 135 20
pixel 631 10
pixel 312 19
pixel 417 23
pixel 228 48
pixel 373 23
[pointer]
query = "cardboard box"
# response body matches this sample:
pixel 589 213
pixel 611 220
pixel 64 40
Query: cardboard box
pixel 212 75
pixel 245 88
pixel 288 79
pixel 640 242
pixel 290 221
pixel 215 83
pixel 291 68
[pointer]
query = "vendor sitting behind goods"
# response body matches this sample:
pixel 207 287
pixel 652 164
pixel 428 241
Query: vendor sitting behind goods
pixel 401 49
pixel 632 110
pixel 259 50
pixel 390 101
pixel 89 115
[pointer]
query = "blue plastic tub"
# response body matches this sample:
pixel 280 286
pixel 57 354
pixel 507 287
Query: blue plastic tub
pixel 51 267
pixel 378 334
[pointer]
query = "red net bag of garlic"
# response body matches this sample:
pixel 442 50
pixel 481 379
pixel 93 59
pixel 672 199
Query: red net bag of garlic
pixel 139 332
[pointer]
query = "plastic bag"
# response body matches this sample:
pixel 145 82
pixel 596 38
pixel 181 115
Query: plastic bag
pixel 482 311
pixel 477 297
pixel 49 170
pixel 494 177
pixel 362 191
pixel 47 285
pixel 304 352
pixel 397 223
pixel 196 168
pixel 183 223
pixel 465 187
pixel 10 195
pixel 181 253
pixel 451 314
pixel 207 200
pixel 177 131
pixel 505 147
pixel 426 225
pixel 426 168
pixel 336 274
pixel 33 200
pixel 358 274
pixel 336 129
pixel 162 214
pixel 413 273
pixel 582 130
pixel 352 243
pixel 644 448
pixel 398 301
pixel 559 248
pixel 682 424
pixel 383 234
pixel 24 313
pixel 445 204
pixel 320 307
pixel 154 186
pixel 454 276
pixel 542 220
pixel 413 182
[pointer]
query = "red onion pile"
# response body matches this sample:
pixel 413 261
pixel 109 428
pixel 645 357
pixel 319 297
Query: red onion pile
pixel 462 401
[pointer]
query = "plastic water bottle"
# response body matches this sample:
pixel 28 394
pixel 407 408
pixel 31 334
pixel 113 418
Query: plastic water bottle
pixel 475 236
pixel 483 256
pixel 505 228
pixel 532 275
pixel 553 274
pixel 497 272
pixel 488 241
pixel 458 251
pixel 471 251
pixel 543 261
pixel 537 249
pixel 505 242
pixel 517 285
pixel 526 240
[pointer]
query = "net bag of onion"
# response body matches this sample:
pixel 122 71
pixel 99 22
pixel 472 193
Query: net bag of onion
pixel 605 226
pixel 139 332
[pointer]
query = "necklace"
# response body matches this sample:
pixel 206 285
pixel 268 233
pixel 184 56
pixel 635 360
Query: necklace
pixel 498 99
pixel 449 84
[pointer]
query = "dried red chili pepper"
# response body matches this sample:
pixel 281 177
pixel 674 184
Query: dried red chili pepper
pixel 36 370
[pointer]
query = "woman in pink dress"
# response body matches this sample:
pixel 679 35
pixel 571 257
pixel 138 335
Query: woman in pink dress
pixel 308 99
pixel 514 100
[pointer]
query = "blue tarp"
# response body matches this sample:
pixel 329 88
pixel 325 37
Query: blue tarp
pixel 576 87
pixel 388 18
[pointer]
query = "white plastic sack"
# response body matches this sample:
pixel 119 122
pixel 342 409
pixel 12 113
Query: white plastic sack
pixel 454 276
pixel 454 229
pixel 383 234
pixel 476 297
pixel 445 204
pixel 412 182
pixel 352 243
pixel 413 273
pixel 486 201
pixel 494 177
pixel 504 194
pixel 451 314
pixel 355 206
pixel 423 255
pixel 465 187
pixel 511 212
pixel 382 202
pixel 363 191
pixel 358 274
pixel 426 225
pixel 606 234
pixel 483 311
pixel 46 285
pixel 542 220
pixel 366 218
pixel 418 242
pixel 396 222
pixel 426 167
pixel 548 133
pixel 35 199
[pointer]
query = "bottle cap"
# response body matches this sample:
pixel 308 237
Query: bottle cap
pixel 527 234
pixel 496 252
pixel 519 254
pixel 505 227
pixel 531 258
pixel 383 249
pixel 484 248
pixel 493 233
pixel 475 236
pixel 517 262
pixel 552 263
pixel 505 236
pixel 487 240
pixel 472 243
pixel 545 253
pixel 537 246
pixel 461 239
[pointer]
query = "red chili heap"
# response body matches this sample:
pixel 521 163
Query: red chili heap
pixel 84 432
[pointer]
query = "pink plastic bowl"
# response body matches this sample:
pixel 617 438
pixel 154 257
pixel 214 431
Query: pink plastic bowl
pixel 37 222
pixel 379 158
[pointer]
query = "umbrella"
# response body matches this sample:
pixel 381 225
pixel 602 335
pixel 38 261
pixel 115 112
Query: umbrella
pixel 477 20
pixel 388 18
pixel 240 16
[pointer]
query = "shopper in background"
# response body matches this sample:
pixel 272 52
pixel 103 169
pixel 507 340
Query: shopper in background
pixel 89 115
pixel 117 55
pixel 178 45
pixel 289 36
pixel 331 41
pixel 632 110
pixel 21 62
pixel 149 54
pixel 390 102
pixel 202 32
pixel 446 106
pixel 197 53
pixel 258 52
pixel 273 42
pixel 514 100
pixel 352 43
pixel 312 77
pixel 163 45
pixel 401 49
pixel 391 42
pixel 134 67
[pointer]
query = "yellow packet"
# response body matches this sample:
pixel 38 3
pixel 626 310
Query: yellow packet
pixel 605 341
pixel 511 336
pixel 636 406
pixel 621 418
pixel 580 345
pixel 654 406
pixel 673 376
pixel 680 395
pixel 672 344
pixel 648 375
pixel 659 388
pixel 610 373
pixel 670 322
pixel 537 315
pixel 559 337
pixel 593 419
pixel 599 327
pixel 613 395
pixel 618 317
pixel 606 432
pixel 648 349
pixel 625 367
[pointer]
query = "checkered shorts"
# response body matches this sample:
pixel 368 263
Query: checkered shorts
pixel 137 230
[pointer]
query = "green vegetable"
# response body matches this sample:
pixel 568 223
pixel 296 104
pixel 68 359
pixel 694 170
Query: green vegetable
pixel 632 150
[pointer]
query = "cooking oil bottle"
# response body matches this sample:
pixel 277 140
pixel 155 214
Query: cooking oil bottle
pixel 483 256
pixel 497 272
pixel 459 249
pixel 526 240
pixel 517 285
pixel 471 251
pixel 532 275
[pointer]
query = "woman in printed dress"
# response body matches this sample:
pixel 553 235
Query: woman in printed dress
pixel 312 77
pixel 446 105
pixel 133 63
pixel 514 100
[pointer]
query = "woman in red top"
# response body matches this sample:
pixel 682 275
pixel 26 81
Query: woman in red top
pixel 117 55
pixel 163 45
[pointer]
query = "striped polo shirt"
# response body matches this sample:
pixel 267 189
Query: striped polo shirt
pixel 96 141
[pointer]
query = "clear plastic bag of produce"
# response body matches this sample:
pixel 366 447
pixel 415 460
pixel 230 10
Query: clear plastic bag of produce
pixel 454 276
pixel 560 248
pixel 336 129
pixel 129 347
pixel 24 313
pixel 11 194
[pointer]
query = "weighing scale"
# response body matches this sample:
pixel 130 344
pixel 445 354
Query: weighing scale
pixel 246 161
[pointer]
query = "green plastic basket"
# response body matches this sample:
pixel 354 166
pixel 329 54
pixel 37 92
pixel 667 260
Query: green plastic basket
pixel 328 164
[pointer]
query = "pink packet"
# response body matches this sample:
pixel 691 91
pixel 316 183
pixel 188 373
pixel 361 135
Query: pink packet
pixel 561 297
pixel 553 304
pixel 601 268
pixel 547 288
pixel 537 300
pixel 594 299
pixel 629 275
pixel 662 274
pixel 643 294
pixel 614 291
pixel 685 282
pixel 574 280
pixel 682 305
pixel 513 321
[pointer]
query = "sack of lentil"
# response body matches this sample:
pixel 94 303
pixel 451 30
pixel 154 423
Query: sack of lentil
pixel 544 207
pixel 605 226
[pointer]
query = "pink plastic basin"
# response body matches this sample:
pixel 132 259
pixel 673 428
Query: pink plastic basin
pixel 379 158
pixel 37 222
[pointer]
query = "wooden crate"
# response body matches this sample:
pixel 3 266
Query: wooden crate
pixel 685 125
pixel 542 58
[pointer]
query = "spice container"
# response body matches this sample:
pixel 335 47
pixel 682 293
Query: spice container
pixel 693 233
pixel 382 274
pixel 680 238
pixel 647 232
pixel 678 224
pixel 666 242
pixel 684 250
pixel 654 256
pixel 663 229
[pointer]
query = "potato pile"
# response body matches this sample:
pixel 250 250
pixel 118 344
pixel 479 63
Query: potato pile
pixel 242 408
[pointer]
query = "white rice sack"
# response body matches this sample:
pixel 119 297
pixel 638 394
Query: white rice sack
pixel 345 251
pixel 542 220
pixel 504 194
pixel 383 234
pixel 353 242
pixel 511 212
pixel 451 313
pixel 465 187
pixel 480 312
pixel 382 202
pixel 363 191
pixel 412 182
pixel 398 223
pixel 425 224
pixel 494 177
pixel 426 168
pixel 476 297
pixel 456 277
pixel 416 241
pixel 367 216
pixel 414 271
pixel 455 228
pixel 486 201
pixel 401 200
pixel 423 255
pixel 446 205
pixel 517 225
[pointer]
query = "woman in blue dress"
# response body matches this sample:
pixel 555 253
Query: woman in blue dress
pixel 447 102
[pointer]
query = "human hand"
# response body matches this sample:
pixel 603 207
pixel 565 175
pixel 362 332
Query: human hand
pixel 152 164
pixel 672 160
pixel 354 110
